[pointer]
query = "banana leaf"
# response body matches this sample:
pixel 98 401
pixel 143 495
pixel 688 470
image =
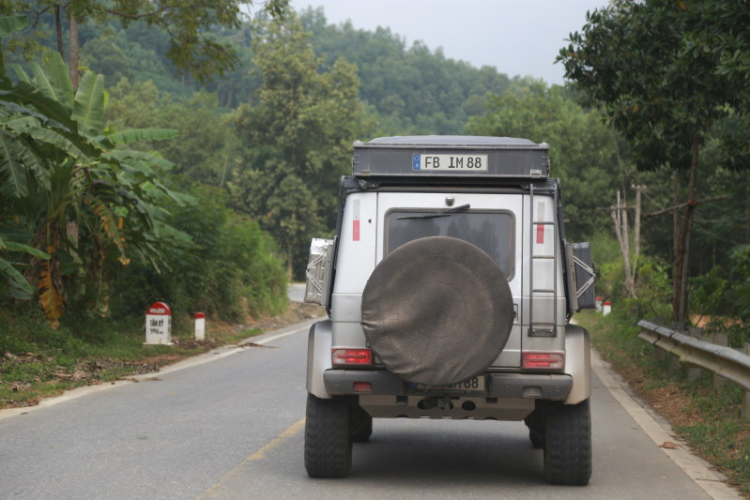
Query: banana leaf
pixel 145 134
pixel 88 108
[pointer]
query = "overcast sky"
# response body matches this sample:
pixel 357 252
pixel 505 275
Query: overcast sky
pixel 520 37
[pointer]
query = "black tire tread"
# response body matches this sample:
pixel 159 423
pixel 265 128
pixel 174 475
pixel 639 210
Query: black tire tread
pixel 567 450
pixel 328 440
pixel 535 423
pixel 361 425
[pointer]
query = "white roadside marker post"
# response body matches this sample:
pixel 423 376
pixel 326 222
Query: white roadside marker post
pixel 607 307
pixel 159 324
pixel 200 326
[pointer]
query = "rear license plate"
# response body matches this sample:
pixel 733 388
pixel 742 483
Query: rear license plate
pixel 475 384
pixel 423 162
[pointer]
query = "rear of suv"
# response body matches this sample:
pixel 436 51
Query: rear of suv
pixel 450 287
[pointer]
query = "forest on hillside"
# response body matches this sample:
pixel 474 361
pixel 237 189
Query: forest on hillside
pixel 234 170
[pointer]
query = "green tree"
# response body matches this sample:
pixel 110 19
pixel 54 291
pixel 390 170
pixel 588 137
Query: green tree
pixel 192 49
pixel 299 132
pixel 660 72
pixel 414 89
pixel 66 191
pixel 584 152
pixel 207 147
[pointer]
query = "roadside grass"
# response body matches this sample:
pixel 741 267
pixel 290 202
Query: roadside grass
pixel 37 362
pixel 708 420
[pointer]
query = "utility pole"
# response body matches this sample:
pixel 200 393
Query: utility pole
pixel 637 236
pixel 620 217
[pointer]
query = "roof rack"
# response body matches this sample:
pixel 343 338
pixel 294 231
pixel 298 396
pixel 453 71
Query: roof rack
pixel 439 156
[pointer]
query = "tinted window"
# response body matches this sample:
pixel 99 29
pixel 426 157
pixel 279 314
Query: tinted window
pixel 490 231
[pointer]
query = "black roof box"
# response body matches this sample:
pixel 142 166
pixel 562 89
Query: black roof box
pixel 451 156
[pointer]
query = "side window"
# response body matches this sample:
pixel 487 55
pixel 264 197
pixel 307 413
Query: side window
pixel 491 231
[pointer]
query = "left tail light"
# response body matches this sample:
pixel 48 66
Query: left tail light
pixel 351 357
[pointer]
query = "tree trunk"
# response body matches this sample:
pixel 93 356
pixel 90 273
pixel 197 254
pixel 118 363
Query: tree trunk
pixel 637 231
pixel 637 234
pixel 59 30
pixel 73 51
pixel 675 214
pixel 289 269
pixel 682 244
pixel 683 312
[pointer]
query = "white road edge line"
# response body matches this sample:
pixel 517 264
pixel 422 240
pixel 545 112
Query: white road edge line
pixel 661 433
pixel 201 359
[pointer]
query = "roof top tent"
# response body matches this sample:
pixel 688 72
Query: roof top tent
pixel 435 157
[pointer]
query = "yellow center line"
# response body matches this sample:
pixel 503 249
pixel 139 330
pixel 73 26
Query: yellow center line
pixel 216 489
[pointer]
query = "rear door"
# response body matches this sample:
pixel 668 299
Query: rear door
pixel 492 222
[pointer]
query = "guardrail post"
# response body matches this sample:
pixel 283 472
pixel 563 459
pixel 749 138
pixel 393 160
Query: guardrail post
pixel 695 373
pixel 721 339
pixel 659 354
pixel 674 361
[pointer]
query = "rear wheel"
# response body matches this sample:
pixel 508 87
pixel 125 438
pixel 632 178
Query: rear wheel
pixel 567 443
pixel 328 437
pixel 535 423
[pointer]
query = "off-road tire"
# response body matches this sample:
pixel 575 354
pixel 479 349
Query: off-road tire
pixel 361 425
pixel 535 423
pixel 567 443
pixel 328 437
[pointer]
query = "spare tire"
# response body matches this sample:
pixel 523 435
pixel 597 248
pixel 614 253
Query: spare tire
pixel 437 311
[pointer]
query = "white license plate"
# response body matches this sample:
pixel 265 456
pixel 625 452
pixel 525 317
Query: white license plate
pixel 471 385
pixel 426 162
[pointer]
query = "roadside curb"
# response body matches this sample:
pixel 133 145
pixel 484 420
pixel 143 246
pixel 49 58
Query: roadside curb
pixel 661 432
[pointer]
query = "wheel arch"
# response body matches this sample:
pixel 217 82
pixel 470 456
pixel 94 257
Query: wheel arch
pixel 319 344
pixel 578 363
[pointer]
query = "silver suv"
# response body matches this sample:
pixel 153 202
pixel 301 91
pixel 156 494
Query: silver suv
pixel 450 286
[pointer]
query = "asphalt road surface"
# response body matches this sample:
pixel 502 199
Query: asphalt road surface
pixel 296 292
pixel 229 425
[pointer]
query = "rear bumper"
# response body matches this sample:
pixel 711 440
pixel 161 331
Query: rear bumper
pixel 498 385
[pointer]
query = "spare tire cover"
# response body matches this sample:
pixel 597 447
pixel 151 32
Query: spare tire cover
pixel 437 311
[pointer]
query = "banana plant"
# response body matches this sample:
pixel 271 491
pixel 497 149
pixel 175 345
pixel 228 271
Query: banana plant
pixel 14 162
pixel 83 203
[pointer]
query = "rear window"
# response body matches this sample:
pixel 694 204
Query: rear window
pixel 491 231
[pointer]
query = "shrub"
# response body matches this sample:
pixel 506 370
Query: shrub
pixel 216 262
pixel 652 281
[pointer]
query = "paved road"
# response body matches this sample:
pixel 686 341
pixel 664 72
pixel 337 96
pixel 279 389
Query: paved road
pixel 296 292
pixel 231 427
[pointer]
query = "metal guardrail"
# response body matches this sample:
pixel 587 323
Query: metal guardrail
pixel 723 361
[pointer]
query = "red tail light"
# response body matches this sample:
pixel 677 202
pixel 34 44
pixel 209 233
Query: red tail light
pixel 351 356
pixel 543 360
